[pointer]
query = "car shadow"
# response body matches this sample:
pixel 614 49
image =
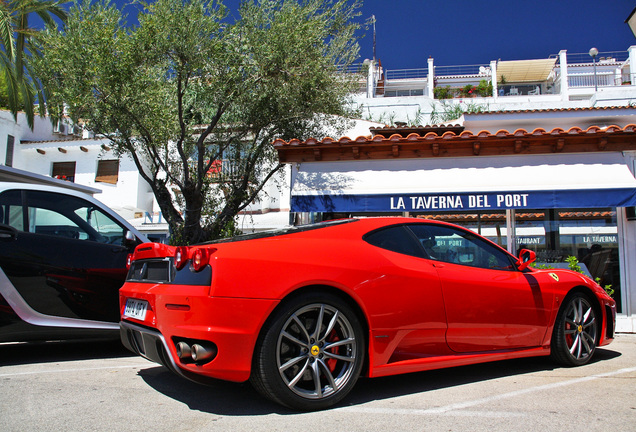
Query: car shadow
pixel 60 351
pixel 240 399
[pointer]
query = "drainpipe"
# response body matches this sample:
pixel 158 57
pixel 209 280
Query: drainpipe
pixel 565 89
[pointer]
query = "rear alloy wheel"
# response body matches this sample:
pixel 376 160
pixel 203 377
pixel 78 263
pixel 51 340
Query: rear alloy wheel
pixel 312 353
pixel 575 331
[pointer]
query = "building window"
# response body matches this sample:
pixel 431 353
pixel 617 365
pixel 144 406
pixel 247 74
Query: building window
pixel 107 171
pixel 64 171
pixel 590 235
pixel 9 158
pixel 396 93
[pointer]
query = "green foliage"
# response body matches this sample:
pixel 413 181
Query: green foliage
pixel 608 288
pixel 388 118
pixel 23 88
pixel 443 92
pixel 4 95
pixel 190 87
pixel 417 118
pixel 467 91
pixel 541 266
pixel 453 111
pixel 484 89
pixel 573 264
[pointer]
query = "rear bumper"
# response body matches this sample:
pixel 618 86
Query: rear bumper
pixel 151 345
pixel 147 343
pixel 186 314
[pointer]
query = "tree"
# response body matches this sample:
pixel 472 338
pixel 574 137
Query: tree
pixel 197 99
pixel 17 37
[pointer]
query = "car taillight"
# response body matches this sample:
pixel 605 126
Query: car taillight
pixel 200 259
pixel 129 260
pixel 180 257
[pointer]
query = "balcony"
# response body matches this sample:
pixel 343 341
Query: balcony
pixel 583 77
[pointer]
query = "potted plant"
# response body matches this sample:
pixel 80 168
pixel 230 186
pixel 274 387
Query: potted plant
pixel 484 88
pixel 467 91
pixel 443 92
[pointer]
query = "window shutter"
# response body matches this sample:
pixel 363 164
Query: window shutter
pixel 64 171
pixel 9 158
pixel 107 171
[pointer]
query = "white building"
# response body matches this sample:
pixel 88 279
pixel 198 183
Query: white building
pixel 544 159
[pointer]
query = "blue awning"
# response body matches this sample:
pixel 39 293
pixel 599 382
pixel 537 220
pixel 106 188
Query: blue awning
pixel 464 184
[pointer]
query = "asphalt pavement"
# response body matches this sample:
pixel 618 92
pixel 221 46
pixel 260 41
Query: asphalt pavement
pixel 98 386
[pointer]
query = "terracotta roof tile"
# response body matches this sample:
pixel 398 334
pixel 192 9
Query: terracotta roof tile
pixel 548 110
pixel 464 143
pixel 464 134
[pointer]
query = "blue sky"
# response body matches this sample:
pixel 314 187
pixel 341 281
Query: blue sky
pixel 470 32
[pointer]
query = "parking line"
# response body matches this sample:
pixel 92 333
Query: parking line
pixel 72 370
pixel 455 408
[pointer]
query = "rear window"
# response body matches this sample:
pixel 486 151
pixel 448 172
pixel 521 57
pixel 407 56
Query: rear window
pixel 396 239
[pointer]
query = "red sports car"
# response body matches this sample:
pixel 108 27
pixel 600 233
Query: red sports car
pixel 303 312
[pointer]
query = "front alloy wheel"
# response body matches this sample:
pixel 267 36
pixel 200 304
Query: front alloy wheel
pixel 311 355
pixel 575 332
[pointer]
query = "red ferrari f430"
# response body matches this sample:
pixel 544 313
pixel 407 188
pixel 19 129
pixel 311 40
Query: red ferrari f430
pixel 303 312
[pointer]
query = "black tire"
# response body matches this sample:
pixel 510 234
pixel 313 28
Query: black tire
pixel 304 366
pixel 575 332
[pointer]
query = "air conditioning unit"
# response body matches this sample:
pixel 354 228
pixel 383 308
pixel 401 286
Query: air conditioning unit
pixel 60 128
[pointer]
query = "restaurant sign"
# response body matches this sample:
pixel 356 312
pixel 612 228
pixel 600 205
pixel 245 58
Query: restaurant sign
pixel 578 198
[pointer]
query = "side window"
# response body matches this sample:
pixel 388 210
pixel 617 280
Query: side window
pixel 51 222
pixel 108 229
pixel 396 239
pixel 452 245
pixel 71 217
pixel 11 209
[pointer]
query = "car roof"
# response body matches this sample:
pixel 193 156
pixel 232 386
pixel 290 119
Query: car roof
pixel 353 227
pixel 41 187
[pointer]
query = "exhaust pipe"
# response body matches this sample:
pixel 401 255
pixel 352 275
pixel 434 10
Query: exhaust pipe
pixel 184 352
pixel 203 354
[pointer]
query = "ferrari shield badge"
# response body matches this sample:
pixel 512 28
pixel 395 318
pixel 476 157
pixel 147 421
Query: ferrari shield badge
pixel 555 276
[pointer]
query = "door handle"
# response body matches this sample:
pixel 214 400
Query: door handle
pixel 7 233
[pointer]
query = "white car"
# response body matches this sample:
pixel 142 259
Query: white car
pixel 63 259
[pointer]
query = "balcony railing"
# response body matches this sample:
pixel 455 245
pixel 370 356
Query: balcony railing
pixel 224 170
pixel 396 74
pixel 483 70
pixel 606 57
pixel 603 79
pixel 354 68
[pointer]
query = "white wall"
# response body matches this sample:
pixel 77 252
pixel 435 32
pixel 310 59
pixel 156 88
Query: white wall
pixel 131 194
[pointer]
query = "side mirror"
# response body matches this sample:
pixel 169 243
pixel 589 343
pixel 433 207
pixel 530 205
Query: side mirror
pixel 129 238
pixel 526 257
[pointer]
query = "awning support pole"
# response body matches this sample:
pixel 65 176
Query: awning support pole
pixel 511 235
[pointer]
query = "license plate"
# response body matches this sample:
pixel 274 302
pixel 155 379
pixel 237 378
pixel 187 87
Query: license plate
pixel 136 309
